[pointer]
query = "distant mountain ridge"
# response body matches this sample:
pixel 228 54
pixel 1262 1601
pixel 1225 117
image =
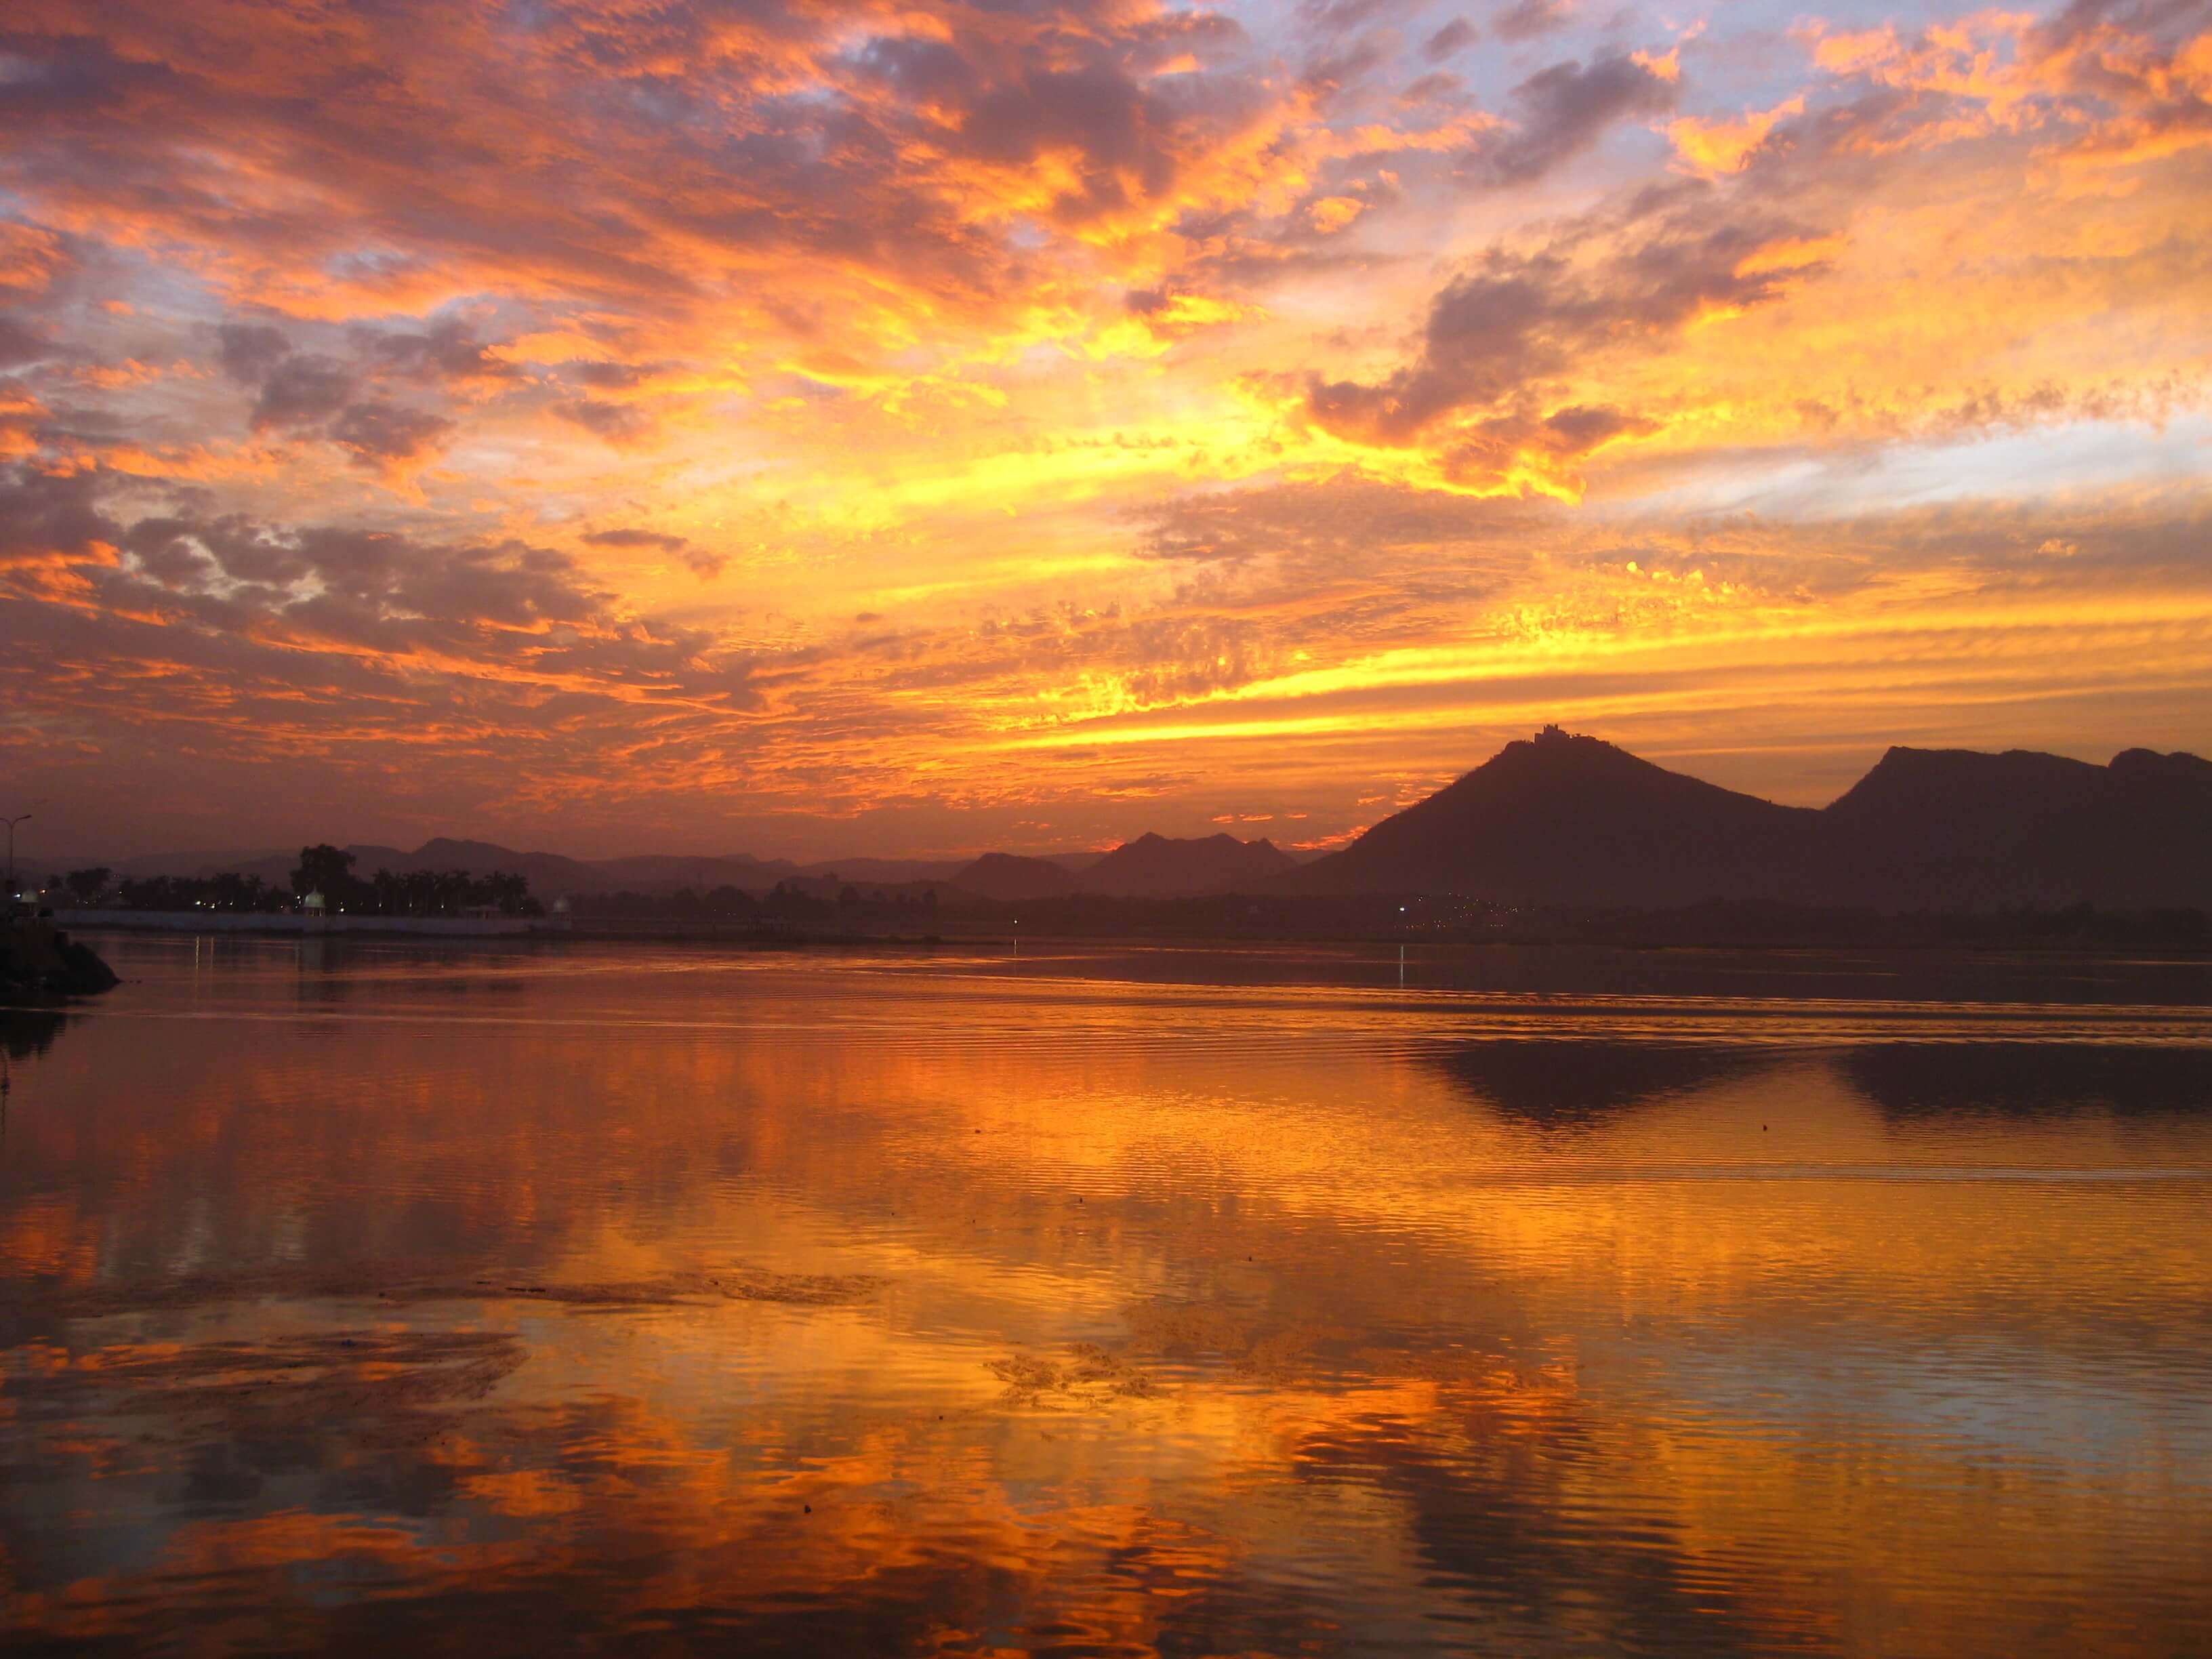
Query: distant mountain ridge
pixel 1575 821
pixel 1151 866
pixel 1556 820
pixel 1156 867
pixel 1010 878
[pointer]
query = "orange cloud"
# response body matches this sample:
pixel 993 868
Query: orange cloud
pixel 1714 148
pixel 1131 368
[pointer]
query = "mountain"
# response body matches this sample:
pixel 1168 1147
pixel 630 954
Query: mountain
pixel 1013 879
pixel 1571 820
pixel 1552 820
pixel 1945 829
pixel 894 871
pixel 1575 821
pixel 665 872
pixel 551 875
pixel 1155 866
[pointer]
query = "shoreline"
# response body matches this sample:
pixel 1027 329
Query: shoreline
pixel 293 924
pixel 527 931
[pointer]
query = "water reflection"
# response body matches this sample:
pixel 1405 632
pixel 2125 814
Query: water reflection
pixel 25 1032
pixel 1579 1085
pixel 1920 1081
pixel 424 1296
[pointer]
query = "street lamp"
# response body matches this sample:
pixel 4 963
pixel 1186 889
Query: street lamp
pixel 20 818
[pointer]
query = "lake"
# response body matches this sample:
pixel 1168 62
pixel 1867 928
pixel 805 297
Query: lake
pixel 588 1297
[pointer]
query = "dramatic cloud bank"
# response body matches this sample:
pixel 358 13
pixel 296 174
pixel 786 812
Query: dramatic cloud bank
pixel 766 424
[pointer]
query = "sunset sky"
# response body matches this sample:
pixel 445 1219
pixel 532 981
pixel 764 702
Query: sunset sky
pixel 626 425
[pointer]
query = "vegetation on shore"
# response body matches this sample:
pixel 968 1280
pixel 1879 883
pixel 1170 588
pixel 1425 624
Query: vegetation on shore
pixel 323 869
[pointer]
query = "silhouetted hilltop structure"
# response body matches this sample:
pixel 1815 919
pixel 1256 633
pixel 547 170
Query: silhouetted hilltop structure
pixel 1562 820
pixel 1010 878
pixel 1156 866
pixel 1571 820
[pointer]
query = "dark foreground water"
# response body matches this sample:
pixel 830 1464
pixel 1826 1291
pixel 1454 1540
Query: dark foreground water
pixel 392 1299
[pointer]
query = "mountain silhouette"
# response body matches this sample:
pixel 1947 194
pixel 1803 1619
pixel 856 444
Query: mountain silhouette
pixel 1156 866
pixel 1941 829
pixel 1558 820
pixel 1571 820
pixel 1575 821
pixel 1011 878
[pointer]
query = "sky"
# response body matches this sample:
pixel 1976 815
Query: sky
pixel 810 429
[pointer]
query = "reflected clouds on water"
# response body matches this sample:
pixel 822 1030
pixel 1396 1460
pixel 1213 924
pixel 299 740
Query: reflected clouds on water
pixel 643 1298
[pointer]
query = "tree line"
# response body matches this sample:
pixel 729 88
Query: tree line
pixel 329 870
pixel 96 885
pixel 322 869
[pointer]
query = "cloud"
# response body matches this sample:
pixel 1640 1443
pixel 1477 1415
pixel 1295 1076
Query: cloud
pixel 1506 448
pixel 301 392
pixel 51 519
pixel 22 421
pixel 20 343
pixel 609 377
pixel 249 352
pixel 1152 366
pixel 1338 16
pixel 666 544
pixel 1567 108
pixel 1527 20
pixel 33 258
pixel 1455 36
pixel 1515 322
pixel 446 351
pixel 384 434
pixel 1438 86
pixel 1716 147
pixel 702 563
pixel 309 394
pixel 619 423
pixel 502 608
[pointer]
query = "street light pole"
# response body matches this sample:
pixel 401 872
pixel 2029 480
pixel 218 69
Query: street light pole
pixel 20 818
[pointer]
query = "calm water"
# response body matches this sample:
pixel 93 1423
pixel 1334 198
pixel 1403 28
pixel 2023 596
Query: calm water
pixel 642 1301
